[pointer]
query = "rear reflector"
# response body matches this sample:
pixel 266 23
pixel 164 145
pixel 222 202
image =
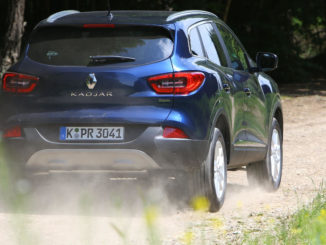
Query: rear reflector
pixel 170 132
pixel 177 83
pixel 98 25
pixel 15 132
pixel 18 83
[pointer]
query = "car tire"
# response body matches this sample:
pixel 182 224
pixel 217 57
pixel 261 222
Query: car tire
pixel 268 173
pixel 210 180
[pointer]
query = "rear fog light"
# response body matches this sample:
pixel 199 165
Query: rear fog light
pixel 170 132
pixel 14 132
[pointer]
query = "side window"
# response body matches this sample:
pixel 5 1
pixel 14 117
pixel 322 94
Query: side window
pixel 237 54
pixel 195 43
pixel 211 44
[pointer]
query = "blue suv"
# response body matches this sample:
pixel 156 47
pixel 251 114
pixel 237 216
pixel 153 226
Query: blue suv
pixel 140 93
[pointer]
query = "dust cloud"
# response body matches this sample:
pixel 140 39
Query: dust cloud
pixel 91 209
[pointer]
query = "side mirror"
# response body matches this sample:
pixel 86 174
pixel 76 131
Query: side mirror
pixel 266 61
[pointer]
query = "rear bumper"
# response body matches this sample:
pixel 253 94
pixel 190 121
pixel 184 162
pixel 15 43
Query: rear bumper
pixel 150 151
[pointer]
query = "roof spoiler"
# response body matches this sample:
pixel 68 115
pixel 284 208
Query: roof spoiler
pixel 52 18
pixel 188 12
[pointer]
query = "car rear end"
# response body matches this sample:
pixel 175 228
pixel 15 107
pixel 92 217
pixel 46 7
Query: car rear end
pixel 98 97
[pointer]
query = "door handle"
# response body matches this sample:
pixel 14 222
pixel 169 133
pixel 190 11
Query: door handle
pixel 247 91
pixel 226 87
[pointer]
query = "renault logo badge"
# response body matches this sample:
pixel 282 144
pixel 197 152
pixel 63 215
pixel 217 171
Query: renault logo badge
pixel 91 81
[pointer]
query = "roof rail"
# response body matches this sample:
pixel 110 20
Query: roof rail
pixel 188 12
pixel 52 18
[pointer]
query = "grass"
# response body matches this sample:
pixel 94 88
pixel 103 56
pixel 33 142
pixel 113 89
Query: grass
pixel 306 226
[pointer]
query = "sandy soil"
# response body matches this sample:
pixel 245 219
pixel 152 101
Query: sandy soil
pixel 95 211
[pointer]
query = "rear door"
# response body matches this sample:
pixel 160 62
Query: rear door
pixel 254 102
pixel 94 75
pixel 232 91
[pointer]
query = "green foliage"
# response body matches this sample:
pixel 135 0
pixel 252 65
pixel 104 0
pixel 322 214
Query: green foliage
pixel 306 226
pixel 275 27
pixel 151 215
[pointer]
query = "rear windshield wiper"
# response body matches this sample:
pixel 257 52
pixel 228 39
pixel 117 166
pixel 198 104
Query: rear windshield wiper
pixel 109 59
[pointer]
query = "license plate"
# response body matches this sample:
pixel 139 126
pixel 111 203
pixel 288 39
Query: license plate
pixel 91 133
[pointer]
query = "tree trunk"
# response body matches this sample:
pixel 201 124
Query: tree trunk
pixel 227 10
pixel 12 42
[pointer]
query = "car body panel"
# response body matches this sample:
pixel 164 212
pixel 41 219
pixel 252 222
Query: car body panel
pixel 168 154
pixel 121 95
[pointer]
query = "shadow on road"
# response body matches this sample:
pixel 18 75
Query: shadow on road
pixel 317 87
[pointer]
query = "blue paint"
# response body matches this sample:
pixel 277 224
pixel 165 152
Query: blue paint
pixel 63 132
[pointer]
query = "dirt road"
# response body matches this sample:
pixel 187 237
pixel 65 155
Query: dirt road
pixel 92 213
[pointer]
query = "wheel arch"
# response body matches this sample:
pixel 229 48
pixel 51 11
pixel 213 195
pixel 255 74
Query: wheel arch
pixel 221 122
pixel 278 114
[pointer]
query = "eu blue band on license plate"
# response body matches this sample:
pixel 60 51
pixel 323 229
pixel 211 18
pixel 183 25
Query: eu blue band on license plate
pixel 63 133
pixel 91 133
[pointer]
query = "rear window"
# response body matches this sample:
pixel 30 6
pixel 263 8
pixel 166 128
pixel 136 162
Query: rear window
pixel 70 46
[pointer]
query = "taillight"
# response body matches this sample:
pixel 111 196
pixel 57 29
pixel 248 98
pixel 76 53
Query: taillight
pixel 14 132
pixel 177 83
pixel 18 83
pixel 170 132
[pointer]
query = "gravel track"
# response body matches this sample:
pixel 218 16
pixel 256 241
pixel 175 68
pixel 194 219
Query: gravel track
pixel 86 213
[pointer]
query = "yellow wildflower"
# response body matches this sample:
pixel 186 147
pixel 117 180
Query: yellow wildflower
pixel 217 223
pixel 187 238
pixel 267 207
pixel 239 204
pixel 296 231
pixel 200 203
pixel 151 215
